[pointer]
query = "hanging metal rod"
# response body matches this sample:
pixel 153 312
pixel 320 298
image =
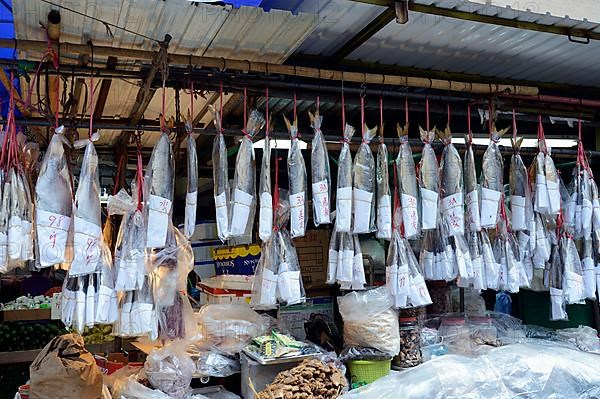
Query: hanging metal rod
pixel 276 69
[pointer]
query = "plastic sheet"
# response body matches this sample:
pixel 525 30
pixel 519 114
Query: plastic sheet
pixel 522 370
pixel 214 364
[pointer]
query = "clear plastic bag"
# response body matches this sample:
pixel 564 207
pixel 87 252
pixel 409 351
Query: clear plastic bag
pixel 407 184
pixel 265 218
pixel 298 184
pixel 106 304
pixel 321 179
pixel 191 197
pixel 384 197
pixel 364 185
pixel 228 328
pixel 370 320
pixel 220 178
pixel 170 369
pixel 215 364
pixel 243 204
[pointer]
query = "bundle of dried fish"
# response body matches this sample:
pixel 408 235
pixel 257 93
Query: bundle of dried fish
pixel 298 181
pixel 364 185
pixel 428 182
pixel 265 215
pixel 159 182
pixel 541 240
pixel 491 265
pixel 220 178
pixel 492 181
pixel 471 187
pixel 343 216
pixel 553 279
pixel 384 198
pixel 547 192
pixel 520 197
pixel 244 181
pixel 332 259
pixel 137 313
pixel 191 196
pixel 438 257
pixel 53 203
pixel 573 285
pixel 345 264
pixel 407 183
pixel 321 179
pixel 451 179
pixel 587 266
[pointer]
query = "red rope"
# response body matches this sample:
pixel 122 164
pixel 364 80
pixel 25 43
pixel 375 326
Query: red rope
pixel 163 125
pixel 381 119
pixel 295 111
pixel 503 212
pixel 469 131
pixel 514 124
pixel 343 114
pixel 221 102
pixel 245 131
pixel 406 110
pixel 191 107
pixel 318 103
pixel 118 176
pixel 276 194
pixel 139 174
pixel 448 109
pixel 267 110
pixel 362 117
pixel 427 112
pixel 91 105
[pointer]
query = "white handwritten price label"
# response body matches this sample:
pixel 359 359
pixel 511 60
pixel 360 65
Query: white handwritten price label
pixel 410 215
pixel 362 201
pixel 241 212
pixel 191 200
pixel 429 203
pixel 473 211
pixel 517 213
pixel 454 214
pixel 419 294
pixel 158 221
pixel 265 216
pixel 297 214
pixel 86 246
pixel 344 209
pixel 384 217
pixel 15 237
pixel 222 213
pixel 320 191
pixel 52 235
pixel 490 201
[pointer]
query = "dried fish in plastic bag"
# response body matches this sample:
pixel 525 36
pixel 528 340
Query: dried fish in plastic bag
pixel 407 183
pixel 428 182
pixel 264 286
pixel 243 205
pixel 358 270
pixel 191 196
pixel 220 178
pixel 418 293
pixel 321 179
pixel 492 181
pixel 552 185
pixel 159 184
pixel 265 214
pixel 587 266
pixel 384 198
pixel 554 280
pixel 106 304
pixel 343 217
pixel 345 265
pixel 87 216
pixel 332 263
pixel 451 180
pixel 573 286
pixel 471 188
pixel 4 220
pixel 520 196
pixel 137 313
pixel 491 265
pixel 298 183
pixel 364 185
pixel 53 204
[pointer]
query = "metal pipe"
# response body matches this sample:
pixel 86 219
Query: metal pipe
pixel 555 100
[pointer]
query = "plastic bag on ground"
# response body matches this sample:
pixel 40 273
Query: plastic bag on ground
pixel 170 369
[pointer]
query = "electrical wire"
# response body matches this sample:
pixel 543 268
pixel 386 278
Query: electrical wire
pixel 105 23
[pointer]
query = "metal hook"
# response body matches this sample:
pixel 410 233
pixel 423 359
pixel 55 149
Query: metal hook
pixel 363 88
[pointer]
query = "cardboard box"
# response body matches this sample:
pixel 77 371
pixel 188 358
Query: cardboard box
pixel 226 289
pixel 241 259
pixel 26 314
pixel 293 317
pixel 313 252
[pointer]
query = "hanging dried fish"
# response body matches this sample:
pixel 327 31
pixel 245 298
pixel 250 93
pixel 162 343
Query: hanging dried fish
pixel 554 280
pixel 321 179
pixel 298 183
pixel 244 180
pixel 4 220
pixel 344 184
pixel 159 183
pixel 587 265
pixel 364 185
pixel 384 198
pixel 471 187
pixel 407 182
pixel 428 182
pixel 191 197
pixel 492 180
pixel 451 178
pixel 520 196
pixel 220 178
pixel 53 203
pixel 265 217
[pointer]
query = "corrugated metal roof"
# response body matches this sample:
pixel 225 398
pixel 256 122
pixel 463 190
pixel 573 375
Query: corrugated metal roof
pixel 447 44
pixel 198 29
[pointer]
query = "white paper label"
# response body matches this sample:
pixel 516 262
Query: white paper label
pixel 15 237
pixel 358 273
pixel 145 314
pixel 265 216
pixel 461 262
pixel 454 214
pixel 586 218
pixel 320 198
pixel 403 290
pixel 490 200
pixel 419 294
pixel 391 279
pixel 344 210
pixel 56 306
pixel 478 282
pixel 589 278
pixel 297 214
pixel 384 218
pixel 222 214
pixel 191 202
pixel 159 210
pixel 573 287
pixel 553 196
pixel 288 285
pixel 427 264
pixel 27 247
pixel 67 306
pixel 3 253
pixel 596 207
pixel 473 211
pixel 429 206
pixel 241 212
pixel 104 308
pixel 541 193
pixel 52 234
pixel 345 266
pixel 597 270
pixel 86 246
pixel 557 304
pixel 517 213
pixel 268 288
pixel 362 201
pixel 410 215
pixel 332 266
pixel 90 304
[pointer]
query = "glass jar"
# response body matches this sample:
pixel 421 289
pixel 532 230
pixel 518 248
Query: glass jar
pixel 410 344
pixel 440 294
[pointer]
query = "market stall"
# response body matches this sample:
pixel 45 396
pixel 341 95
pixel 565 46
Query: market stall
pixel 245 207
